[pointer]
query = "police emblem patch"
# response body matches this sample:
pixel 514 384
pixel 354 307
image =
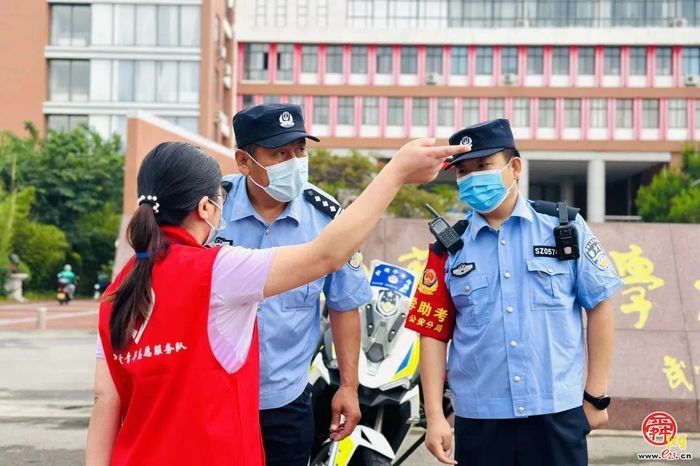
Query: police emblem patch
pixel 429 283
pixel 466 141
pixel 463 269
pixel 355 261
pixel 286 120
pixel 596 255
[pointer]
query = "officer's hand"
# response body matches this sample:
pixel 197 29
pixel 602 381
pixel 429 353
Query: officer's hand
pixel 596 418
pixel 438 439
pixel 344 402
pixel 420 161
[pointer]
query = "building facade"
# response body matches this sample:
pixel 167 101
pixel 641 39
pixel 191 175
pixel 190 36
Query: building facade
pixel 97 61
pixel 601 93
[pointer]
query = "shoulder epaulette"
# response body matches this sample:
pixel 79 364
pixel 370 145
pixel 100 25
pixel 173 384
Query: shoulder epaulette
pixel 322 202
pixel 551 209
pixel 460 227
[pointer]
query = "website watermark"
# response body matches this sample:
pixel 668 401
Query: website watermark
pixel 660 430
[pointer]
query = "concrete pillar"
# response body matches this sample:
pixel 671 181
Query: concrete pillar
pixel 524 181
pixel 566 188
pixel 596 191
pixel 41 318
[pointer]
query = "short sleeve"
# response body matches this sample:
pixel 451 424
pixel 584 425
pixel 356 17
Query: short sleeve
pixel 596 277
pixel 432 313
pixel 100 351
pixel 239 274
pixel 347 288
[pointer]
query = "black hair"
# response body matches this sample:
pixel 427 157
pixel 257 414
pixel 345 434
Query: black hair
pixel 250 148
pixel 179 175
pixel 510 153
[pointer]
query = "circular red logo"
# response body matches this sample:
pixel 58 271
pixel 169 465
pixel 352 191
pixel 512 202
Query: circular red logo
pixel 658 428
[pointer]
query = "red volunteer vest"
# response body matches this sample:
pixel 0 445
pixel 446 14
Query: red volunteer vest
pixel 179 406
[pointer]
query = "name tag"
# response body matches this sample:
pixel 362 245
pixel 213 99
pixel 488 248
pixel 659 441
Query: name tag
pixel 544 251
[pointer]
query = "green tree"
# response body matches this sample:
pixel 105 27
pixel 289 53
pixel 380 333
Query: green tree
pixel 352 173
pixel 673 196
pixel 77 177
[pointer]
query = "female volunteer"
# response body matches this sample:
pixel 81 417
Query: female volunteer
pixel 179 383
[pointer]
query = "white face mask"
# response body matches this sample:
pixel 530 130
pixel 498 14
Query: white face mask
pixel 287 179
pixel 220 227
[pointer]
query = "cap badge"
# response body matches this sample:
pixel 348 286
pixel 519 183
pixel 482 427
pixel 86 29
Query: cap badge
pixel 286 120
pixel 466 141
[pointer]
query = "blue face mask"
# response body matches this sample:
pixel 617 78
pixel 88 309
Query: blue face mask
pixel 287 179
pixel 484 191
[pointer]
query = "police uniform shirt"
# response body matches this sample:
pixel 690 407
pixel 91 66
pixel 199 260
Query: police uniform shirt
pixel 518 344
pixel 289 323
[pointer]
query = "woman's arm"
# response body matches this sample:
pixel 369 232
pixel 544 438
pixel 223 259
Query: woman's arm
pixel 416 162
pixel 105 419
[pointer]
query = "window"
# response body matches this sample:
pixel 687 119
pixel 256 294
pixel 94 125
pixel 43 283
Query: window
pixel 189 123
pixel 586 61
pixel 124 22
pixel 145 19
pixel 446 112
pixel 458 61
pixel 145 77
pixel 395 109
pixel 691 61
pixel 69 80
pixel 248 101
pixel 346 110
pixel 261 13
pixel 65 122
pixel 384 60
pixel 255 62
pixel 334 59
pixel 638 61
pixel 322 13
pixel 309 59
pixel 496 109
pixel 370 111
pixel 189 26
pixel 572 113
pixel 168 26
pixel 281 13
pixel 623 112
pixel 612 61
pixel 521 113
pixel 546 113
pixel 560 61
pixel 663 61
pixel 125 81
pixel 297 100
pixel 285 62
pixel 409 60
pixel 470 112
pixel 509 60
pixel 70 25
pixel 166 79
pixel 650 113
pixel 320 110
pixel 433 60
pixel 534 61
pixel 188 86
pixel 420 111
pixel 677 113
pixel 358 59
pixel 271 99
pixel 484 60
pixel 598 114
pixel 302 12
pixel 102 24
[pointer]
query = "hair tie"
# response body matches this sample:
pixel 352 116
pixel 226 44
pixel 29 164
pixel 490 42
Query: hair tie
pixel 150 200
pixel 143 255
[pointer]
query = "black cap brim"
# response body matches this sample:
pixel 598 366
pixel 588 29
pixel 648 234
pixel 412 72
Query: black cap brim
pixel 477 154
pixel 283 139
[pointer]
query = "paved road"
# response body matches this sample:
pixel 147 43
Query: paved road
pixel 45 398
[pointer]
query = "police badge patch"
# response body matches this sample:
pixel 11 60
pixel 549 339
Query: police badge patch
pixel 463 269
pixel 429 283
pixel 355 261
pixel 596 255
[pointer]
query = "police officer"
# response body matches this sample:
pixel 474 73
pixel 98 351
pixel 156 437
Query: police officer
pixel 511 300
pixel 271 204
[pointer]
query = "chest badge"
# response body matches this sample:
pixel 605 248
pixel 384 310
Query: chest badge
pixel 463 269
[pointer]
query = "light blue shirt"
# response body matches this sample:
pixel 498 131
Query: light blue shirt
pixel 289 323
pixel 518 345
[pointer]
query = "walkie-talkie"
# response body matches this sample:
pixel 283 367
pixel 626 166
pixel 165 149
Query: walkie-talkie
pixel 565 236
pixel 443 232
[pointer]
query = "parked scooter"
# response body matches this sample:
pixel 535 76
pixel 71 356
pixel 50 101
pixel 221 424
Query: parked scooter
pixel 389 391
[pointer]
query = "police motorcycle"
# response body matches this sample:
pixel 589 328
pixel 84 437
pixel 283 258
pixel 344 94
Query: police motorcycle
pixel 389 391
